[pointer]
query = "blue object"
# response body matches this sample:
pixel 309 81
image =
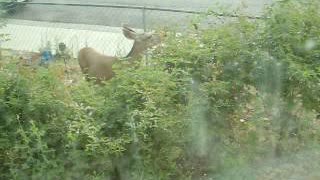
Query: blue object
pixel 46 57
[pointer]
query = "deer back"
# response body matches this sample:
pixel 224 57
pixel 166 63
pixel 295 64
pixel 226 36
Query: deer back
pixel 95 65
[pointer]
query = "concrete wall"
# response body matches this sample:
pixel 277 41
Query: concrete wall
pixel 32 35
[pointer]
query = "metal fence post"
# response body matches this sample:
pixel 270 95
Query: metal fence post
pixel 144 19
pixel 144 23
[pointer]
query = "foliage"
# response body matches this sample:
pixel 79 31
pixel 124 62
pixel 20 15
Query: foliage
pixel 213 103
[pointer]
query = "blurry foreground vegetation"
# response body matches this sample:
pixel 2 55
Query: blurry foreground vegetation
pixel 238 101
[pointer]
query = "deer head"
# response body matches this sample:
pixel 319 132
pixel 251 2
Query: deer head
pixel 99 67
pixel 142 41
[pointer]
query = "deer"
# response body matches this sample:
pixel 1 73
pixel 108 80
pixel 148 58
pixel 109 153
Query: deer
pixel 97 66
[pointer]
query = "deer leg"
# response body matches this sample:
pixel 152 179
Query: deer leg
pixel 85 71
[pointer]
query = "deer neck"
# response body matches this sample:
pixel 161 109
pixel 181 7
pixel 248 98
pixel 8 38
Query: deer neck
pixel 135 52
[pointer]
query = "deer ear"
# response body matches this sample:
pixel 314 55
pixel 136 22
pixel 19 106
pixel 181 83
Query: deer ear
pixel 129 33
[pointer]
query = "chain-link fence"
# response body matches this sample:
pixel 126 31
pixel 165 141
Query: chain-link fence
pixel 33 26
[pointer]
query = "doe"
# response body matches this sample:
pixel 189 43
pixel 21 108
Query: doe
pixel 95 65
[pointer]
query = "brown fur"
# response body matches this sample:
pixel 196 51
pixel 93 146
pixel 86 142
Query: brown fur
pixel 95 65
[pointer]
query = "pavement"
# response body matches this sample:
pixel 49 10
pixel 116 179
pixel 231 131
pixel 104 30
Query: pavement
pixel 32 26
pixel 134 17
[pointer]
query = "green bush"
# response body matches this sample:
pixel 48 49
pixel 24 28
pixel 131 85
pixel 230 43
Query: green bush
pixel 213 103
